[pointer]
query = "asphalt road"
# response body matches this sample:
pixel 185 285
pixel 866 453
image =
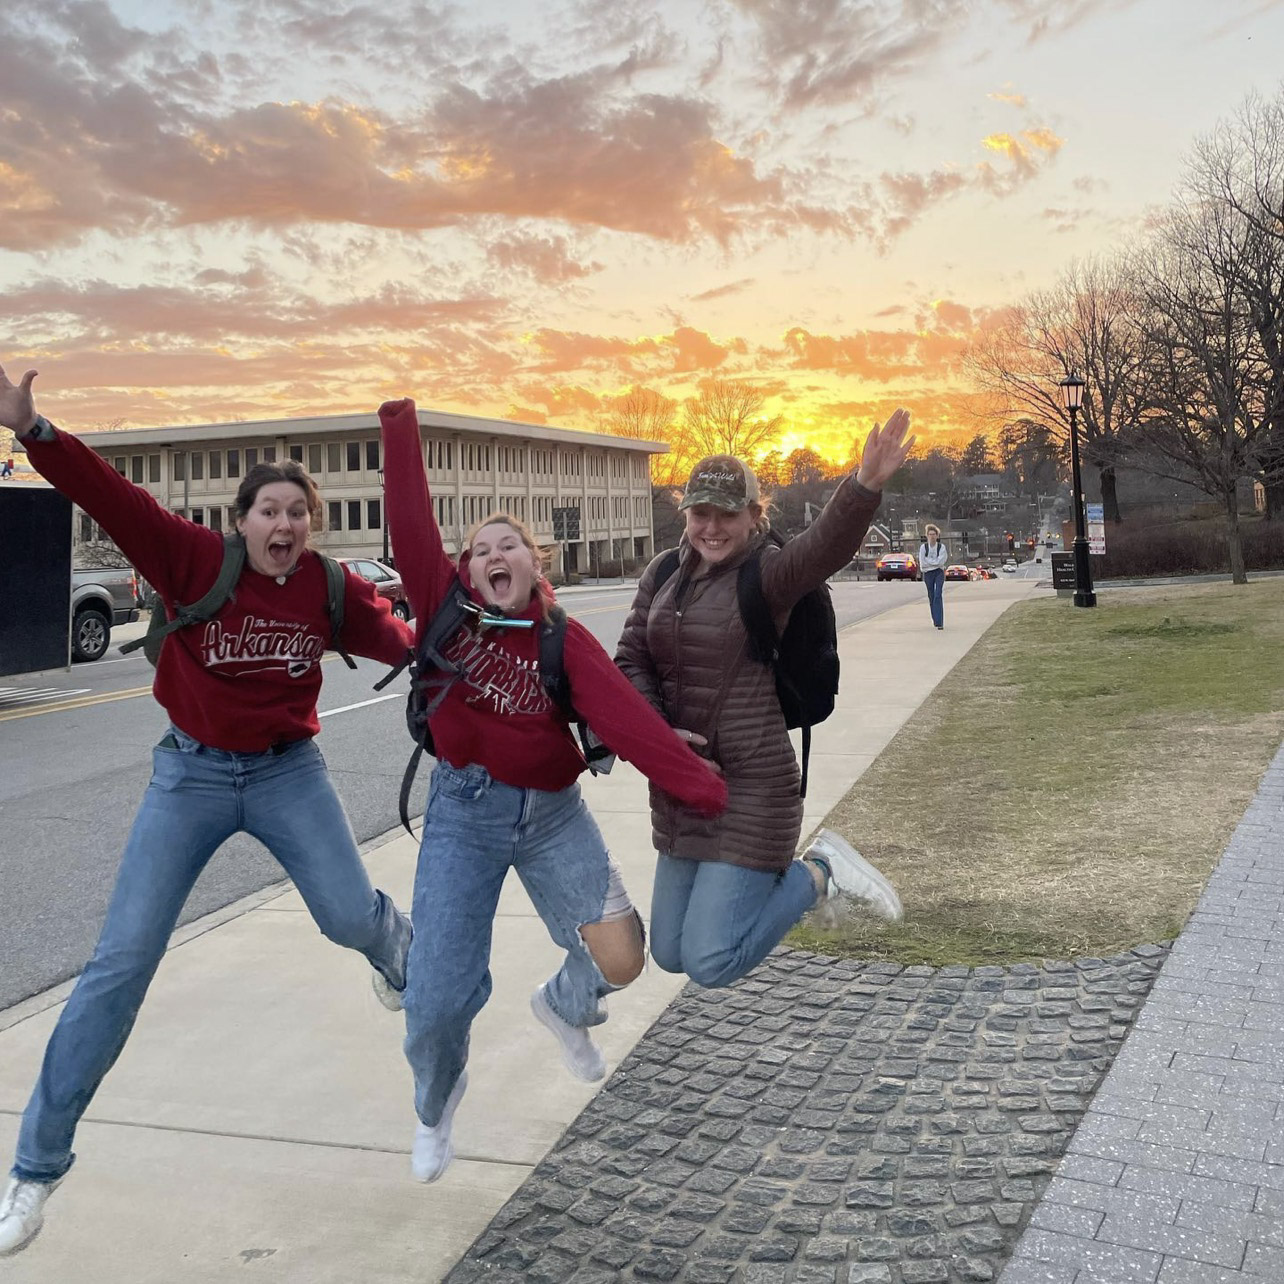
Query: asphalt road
pixel 75 757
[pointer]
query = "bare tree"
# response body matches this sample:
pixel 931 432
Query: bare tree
pixel 1241 165
pixel 642 414
pixel 1208 381
pixel 1085 324
pixel 726 418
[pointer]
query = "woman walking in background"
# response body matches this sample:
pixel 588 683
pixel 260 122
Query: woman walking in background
pixel 727 890
pixel 932 556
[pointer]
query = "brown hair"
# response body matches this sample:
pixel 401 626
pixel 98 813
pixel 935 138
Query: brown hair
pixel 289 470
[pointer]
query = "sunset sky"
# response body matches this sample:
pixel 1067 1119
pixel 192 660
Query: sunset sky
pixel 218 210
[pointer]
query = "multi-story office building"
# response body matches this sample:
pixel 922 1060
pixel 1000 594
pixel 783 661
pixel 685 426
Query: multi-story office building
pixel 475 467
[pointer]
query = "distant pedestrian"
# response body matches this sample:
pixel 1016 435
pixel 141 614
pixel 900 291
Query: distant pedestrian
pixel 932 556
pixel 6 469
pixel 505 795
pixel 238 756
pixel 727 891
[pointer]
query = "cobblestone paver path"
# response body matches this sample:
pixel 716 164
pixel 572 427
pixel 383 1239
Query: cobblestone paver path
pixel 824 1122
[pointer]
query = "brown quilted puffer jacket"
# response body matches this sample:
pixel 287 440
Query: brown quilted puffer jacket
pixel 685 648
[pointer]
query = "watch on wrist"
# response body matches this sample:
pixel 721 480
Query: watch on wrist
pixel 41 430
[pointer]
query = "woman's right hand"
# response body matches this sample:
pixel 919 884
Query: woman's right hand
pixel 17 405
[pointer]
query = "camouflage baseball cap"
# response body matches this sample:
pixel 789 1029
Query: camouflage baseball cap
pixel 723 481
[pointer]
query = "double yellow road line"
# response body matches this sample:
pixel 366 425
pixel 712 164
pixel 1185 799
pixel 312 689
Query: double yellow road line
pixel 60 706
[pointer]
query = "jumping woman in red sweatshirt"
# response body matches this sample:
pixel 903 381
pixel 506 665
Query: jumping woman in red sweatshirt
pixel 241 694
pixel 504 793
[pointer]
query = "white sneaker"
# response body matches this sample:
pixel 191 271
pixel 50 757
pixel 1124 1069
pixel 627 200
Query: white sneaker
pixel 583 1057
pixel 22 1213
pixel 432 1151
pixel 850 874
pixel 392 998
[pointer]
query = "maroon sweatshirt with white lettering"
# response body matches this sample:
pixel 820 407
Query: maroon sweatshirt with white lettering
pixel 249 678
pixel 498 714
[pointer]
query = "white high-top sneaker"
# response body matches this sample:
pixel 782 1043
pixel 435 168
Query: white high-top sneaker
pixel 850 874
pixel 22 1213
pixel 433 1151
pixel 582 1056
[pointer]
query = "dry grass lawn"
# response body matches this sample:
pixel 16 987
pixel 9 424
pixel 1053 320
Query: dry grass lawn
pixel 1067 790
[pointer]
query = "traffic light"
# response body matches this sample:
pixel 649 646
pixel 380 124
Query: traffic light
pixel 1011 541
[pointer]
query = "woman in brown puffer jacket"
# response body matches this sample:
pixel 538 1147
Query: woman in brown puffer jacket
pixel 728 889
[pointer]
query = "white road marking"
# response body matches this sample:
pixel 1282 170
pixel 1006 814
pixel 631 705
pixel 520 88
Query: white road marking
pixel 347 708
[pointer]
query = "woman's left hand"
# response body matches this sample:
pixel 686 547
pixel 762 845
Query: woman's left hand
pixel 886 449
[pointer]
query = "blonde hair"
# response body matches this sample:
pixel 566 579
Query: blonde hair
pixel 929 528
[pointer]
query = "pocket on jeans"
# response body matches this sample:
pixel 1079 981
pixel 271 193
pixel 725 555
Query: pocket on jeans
pixel 463 786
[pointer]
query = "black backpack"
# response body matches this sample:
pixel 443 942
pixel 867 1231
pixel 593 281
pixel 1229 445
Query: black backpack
pixel 207 607
pixel 432 676
pixel 805 656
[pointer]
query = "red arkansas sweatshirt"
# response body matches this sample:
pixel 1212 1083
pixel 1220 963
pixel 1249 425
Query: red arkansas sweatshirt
pixel 498 714
pixel 250 677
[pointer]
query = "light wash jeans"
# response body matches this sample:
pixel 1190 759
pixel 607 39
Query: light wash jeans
pixel 475 828
pixel 716 922
pixel 934 583
pixel 199 797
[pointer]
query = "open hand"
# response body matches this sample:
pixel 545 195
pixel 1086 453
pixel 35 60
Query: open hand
pixel 17 405
pixel 886 449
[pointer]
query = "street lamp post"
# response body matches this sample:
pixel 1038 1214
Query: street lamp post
pixel 383 513
pixel 1072 398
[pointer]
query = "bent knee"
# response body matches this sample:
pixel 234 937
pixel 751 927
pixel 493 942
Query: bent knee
pixel 617 947
pixel 712 973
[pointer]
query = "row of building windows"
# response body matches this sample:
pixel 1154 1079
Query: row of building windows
pixel 334 458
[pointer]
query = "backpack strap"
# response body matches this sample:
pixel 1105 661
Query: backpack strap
pixel 552 671
pixel 431 676
pixel 336 587
pixel 204 608
pixel 664 572
pixel 764 641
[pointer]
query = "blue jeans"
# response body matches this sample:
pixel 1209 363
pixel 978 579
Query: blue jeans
pixel 716 922
pixel 934 583
pixel 199 797
pixel 475 828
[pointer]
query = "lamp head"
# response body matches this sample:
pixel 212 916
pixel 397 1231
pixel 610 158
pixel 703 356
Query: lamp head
pixel 1071 391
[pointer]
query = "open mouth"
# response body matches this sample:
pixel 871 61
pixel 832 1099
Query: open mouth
pixel 280 550
pixel 500 581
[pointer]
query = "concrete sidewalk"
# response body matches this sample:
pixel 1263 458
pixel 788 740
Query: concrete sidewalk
pixel 260 1117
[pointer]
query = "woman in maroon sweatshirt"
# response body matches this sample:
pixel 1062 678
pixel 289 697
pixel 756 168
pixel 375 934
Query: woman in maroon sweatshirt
pixel 504 793
pixel 241 694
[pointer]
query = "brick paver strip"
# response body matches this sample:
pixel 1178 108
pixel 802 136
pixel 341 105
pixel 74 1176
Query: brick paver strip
pixel 1176 1174
pixel 835 1122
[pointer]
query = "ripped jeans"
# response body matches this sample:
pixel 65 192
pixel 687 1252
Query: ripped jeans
pixel 475 828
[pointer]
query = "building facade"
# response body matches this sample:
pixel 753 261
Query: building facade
pixel 476 466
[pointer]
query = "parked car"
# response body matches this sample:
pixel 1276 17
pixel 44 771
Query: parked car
pixel 957 573
pixel 101 596
pixel 386 581
pixel 984 573
pixel 897 566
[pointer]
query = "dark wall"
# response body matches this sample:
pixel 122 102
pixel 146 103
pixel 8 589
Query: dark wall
pixel 35 579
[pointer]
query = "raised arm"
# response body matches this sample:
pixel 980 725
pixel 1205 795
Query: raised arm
pixel 630 727
pixel 422 563
pixel 834 538
pixel 159 544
